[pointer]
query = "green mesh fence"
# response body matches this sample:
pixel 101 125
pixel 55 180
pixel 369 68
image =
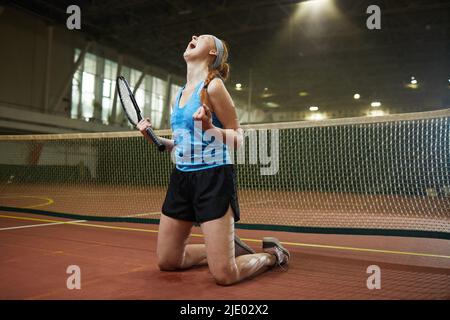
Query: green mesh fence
pixel 388 175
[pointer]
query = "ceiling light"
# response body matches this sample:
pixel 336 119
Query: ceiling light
pixel 375 104
pixel 272 105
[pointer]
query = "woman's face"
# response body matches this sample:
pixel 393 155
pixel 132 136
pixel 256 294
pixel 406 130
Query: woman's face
pixel 200 47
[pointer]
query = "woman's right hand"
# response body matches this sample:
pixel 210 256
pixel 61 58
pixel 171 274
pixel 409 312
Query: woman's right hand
pixel 143 125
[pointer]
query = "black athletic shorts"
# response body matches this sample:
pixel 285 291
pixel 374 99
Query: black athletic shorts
pixel 202 195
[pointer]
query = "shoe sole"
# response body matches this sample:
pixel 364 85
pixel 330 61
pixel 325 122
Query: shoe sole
pixel 270 242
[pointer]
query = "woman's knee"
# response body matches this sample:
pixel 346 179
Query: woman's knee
pixel 225 275
pixel 168 264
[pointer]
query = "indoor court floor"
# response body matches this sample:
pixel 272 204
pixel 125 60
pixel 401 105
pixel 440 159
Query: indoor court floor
pixel 118 261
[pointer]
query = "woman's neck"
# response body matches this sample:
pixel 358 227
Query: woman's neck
pixel 196 72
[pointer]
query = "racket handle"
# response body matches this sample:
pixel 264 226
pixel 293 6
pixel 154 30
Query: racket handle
pixel 161 147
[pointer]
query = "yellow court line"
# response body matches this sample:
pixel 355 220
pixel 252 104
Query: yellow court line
pixel 49 201
pixel 80 224
pixel 27 218
pixel 142 214
pixel 298 244
pixel 40 220
pixel 115 227
pixel 419 254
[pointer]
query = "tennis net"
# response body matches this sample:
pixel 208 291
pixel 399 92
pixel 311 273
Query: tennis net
pixel 385 175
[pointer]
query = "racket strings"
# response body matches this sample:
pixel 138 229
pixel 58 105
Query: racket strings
pixel 127 102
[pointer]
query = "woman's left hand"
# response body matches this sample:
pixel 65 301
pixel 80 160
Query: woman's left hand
pixel 204 115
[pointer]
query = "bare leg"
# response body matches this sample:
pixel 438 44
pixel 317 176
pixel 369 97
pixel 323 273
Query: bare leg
pixel 172 251
pixel 225 268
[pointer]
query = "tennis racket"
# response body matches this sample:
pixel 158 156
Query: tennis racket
pixel 132 110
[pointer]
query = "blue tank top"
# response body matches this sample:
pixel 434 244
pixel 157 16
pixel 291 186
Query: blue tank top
pixel 194 148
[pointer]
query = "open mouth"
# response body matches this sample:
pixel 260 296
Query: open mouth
pixel 192 45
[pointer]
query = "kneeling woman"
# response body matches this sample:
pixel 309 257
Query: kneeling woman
pixel 202 187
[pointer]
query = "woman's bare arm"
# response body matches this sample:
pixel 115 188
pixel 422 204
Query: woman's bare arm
pixel 223 106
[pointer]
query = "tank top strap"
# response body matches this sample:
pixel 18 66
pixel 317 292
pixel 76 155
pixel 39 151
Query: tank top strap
pixel 200 87
pixel 178 96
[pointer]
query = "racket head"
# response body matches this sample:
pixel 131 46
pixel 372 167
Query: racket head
pixel 132 111
pixel 128 102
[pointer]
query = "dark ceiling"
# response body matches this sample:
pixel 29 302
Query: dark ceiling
pixel 329 56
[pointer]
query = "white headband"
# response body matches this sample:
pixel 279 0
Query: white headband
pixel 220 50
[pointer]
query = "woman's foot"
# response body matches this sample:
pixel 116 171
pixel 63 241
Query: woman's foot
pixel 274 247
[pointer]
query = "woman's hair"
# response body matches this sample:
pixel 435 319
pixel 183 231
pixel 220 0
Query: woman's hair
pixel 222 71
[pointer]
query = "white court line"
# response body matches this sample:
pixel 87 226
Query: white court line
pixel 42 225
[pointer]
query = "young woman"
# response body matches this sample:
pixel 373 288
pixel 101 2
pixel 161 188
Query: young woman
pixel 202 187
